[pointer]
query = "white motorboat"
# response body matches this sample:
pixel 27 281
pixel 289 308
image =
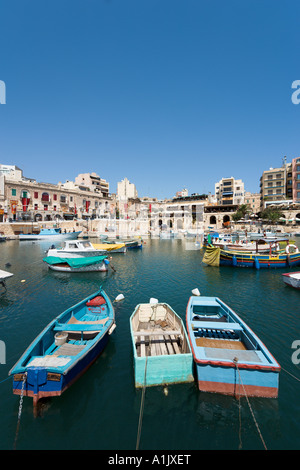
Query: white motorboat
pixel 76 249
pixel 292 279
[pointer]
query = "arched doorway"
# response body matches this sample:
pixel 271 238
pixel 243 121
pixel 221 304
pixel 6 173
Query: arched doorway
pixel 212 220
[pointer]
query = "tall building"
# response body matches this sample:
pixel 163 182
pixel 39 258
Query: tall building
pixel 229 191
pixel 296 179
pixel 276 185
pixel 126 190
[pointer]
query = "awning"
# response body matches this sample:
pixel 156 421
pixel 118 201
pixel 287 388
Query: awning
pixel 74 262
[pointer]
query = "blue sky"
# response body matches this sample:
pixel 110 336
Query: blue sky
pixel 168 93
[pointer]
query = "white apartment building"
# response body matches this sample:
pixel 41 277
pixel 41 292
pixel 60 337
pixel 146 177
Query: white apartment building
pixel 126 190
pixel 230 191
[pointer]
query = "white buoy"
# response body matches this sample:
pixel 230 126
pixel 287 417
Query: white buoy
pixel 153 301
pixel 119 297
pixel 196 292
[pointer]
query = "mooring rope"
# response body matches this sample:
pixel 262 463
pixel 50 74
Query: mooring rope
pixel 142 408
pixel 235 360
pixel 290 374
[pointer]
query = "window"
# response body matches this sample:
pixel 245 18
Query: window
pixel 71 198
pixel 54 208
pixel 63 198
pixel 298 168
pixel 45 197
pixel 13 192
pixel 54 197
pixel 45 207
pixel 270 191
pixel 24 193
pixel 35 207
pixel 36 194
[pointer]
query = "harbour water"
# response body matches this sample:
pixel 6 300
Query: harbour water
pixel 101 410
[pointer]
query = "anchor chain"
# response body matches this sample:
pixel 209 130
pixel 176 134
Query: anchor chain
pixel 20 408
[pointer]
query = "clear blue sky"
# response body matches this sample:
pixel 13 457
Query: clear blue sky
pixel 168 93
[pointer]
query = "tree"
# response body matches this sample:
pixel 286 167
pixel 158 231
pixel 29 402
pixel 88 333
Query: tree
pixel 271 214
pixel 241 212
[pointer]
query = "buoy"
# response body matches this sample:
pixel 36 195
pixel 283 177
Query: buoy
pixel 119 297
pixel 196 292
pixel 256 263
pixel 23 280
pixel 166 391
pixel 153 301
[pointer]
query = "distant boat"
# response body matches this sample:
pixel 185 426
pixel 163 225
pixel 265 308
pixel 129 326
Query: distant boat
pixel 49 233
pixel 161 350
pixel 111 247
pixel 229 358
pixel 216 256
pixel 63 351
pixel 75 249
pixel 2 238
pixel 292 279
pixel 77 265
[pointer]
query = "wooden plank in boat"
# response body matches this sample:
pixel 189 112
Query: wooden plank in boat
pixel 169 345
pixel 220 343
pixel 175 345
pixel 163 346
pixel 143 346
pixel 155 332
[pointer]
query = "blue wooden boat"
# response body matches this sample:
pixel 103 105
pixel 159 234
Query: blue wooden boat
pixel 64 350
pixel 229 358
pixel 216 256
pixel 162 353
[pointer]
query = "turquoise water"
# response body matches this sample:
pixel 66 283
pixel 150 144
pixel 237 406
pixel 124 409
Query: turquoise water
pixel 101 410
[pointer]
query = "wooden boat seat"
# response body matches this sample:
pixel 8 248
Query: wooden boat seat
pixel 220 344
pixel 75 325
pixel 73 320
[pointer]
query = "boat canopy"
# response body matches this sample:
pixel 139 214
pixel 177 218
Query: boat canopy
pixel 75 262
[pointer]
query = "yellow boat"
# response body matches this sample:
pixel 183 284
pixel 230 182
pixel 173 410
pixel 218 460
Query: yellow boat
pixel 111 247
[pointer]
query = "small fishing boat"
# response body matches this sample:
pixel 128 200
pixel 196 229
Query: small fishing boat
pixel 48 234
pixel 75 249
pixel 292 279
pixel 162 354
pixel 64 350
pixel 77 265
pixel 215 256
pixel 111 247
pixel 230 359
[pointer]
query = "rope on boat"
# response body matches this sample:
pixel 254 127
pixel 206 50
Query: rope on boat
pixel 142 408
pixel 20 409
pixel 235 360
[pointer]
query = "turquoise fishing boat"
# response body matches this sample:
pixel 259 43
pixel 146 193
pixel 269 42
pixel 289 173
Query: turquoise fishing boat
pixel 229 358
pixel 161 350
pixel 77 265
pixel 65 349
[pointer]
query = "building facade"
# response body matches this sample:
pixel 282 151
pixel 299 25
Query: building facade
pixel 229 191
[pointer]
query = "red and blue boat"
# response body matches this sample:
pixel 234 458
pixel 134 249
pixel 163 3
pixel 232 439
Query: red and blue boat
pixel 229 358
pixel 65 349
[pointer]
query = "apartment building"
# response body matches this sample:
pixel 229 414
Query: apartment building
pixel 253 201
pixel 276 185
pixel 229 191
pixel 296 179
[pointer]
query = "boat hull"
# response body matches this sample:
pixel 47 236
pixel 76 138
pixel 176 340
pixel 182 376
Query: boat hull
pixel 102 267
pixel 38 385
pixel 59 236
pixel 166 363
pixel 229 358
pixel 258 260
pixel 65 349
pixel 292 279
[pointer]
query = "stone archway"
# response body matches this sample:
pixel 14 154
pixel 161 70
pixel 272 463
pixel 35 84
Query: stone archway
pixel 212 220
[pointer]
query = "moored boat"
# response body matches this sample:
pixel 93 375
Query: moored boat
pixel 161 350
pixel 63 351
pixel 292 279
pixel 216 256
pixel 111 247
pixel 48 234
pixel 229 358
pixel 77 265
pixel 76 249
